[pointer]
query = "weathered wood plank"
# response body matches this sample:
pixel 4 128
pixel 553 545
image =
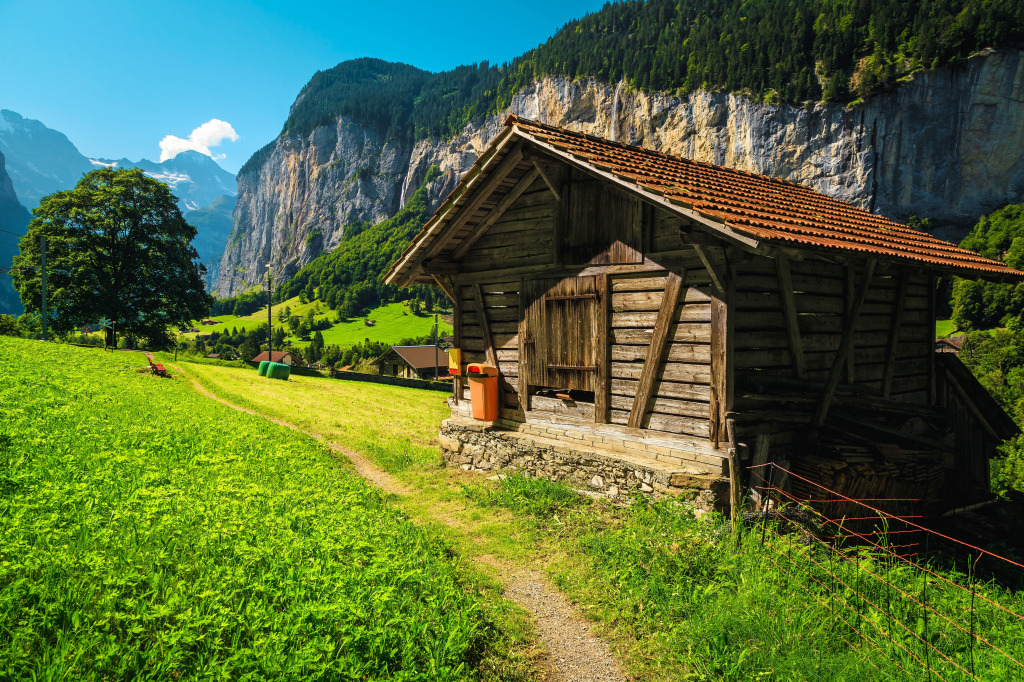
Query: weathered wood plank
pixel 656 351
pixel 674 352
pixel 690 312
pixel 671 424
pixel 666 406
pixel 666 389
pixel 565 408
pixel 673 371
pixel 685 332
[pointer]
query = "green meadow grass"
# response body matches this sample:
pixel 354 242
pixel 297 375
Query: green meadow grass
pixel 392 323
pixel 151 533
pixel 944 328
pixel 679 598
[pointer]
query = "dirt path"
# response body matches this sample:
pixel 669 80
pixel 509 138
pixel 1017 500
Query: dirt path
pixel 575 654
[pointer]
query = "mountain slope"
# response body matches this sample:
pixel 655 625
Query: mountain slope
pixel 13 219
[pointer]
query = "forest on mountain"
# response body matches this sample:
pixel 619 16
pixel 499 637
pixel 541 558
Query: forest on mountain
pixel 792 51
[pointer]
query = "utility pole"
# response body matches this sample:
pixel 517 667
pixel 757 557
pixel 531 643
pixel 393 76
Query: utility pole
pixel 270 328
pixel 42 263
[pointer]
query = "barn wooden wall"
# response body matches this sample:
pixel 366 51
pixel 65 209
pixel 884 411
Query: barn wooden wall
pixel 883 358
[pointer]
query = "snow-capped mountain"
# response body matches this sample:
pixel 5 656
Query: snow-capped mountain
pixel 194 178
pixel 41 161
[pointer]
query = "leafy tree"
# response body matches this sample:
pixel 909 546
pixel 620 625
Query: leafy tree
pixel 981 304
pixel 118 248
pixel 279 336
pixel 9 326
pixel 250 348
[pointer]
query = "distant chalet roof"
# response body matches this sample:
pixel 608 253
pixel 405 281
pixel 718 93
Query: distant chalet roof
pixel 278 356
pixel 422 357
pixel 744 208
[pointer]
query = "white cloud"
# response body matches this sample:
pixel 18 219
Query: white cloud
pixel 210 134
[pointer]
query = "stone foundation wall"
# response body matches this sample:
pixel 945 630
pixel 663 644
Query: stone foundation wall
pixel 476 447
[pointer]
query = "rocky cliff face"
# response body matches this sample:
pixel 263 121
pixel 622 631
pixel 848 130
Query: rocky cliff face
pixel 13 220
pixel 948 145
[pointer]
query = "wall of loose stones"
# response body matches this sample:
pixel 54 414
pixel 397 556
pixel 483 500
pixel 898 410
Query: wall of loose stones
pixel 479 448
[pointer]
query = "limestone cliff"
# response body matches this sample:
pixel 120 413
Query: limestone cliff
pixel 948 145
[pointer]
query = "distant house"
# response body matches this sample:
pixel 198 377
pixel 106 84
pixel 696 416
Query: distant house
pixel 277 356
pixel 950 344
pixel 413 362
pixel 213 356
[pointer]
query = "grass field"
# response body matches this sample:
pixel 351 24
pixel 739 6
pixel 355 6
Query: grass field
pixel 150 533
pixel 677 597
pixel 944 328
pixel 392 323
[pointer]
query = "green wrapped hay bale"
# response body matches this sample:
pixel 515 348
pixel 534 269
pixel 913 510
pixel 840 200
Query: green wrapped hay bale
pixel 278 370
pixel 264 364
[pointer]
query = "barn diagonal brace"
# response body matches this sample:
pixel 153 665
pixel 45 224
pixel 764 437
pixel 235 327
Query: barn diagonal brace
pixel 849 324
pixel 656 351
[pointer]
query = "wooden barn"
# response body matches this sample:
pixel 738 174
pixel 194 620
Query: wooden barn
pixel 413 362
pixel 648 315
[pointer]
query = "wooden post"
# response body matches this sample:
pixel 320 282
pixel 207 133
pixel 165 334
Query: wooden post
pixel 894 335
pixel 933 393
pixel 603 384
pixel 796 347
pixel 735 492
pixel 656 351
pixel 523 380
pixel 721 341
pixel 849 324
pixel 851 293
pixel 457 333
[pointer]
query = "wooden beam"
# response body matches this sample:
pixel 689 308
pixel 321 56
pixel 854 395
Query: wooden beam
pixel 851 294
pixel 457 333
pixel 523 379
pixel 894 334
pixel 603 382
pixel 796 346
pixel 933 392
pixel 849 324
pixel 656 351
pixel 547 180
pixel 735 492
pixel 715 279
pixel 482 194
pixel 495 213
pixel 445 283
pixel 478 297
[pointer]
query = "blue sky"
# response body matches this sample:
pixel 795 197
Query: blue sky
pixel 118 77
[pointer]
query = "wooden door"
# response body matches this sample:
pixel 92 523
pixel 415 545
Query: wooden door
pixel 560 334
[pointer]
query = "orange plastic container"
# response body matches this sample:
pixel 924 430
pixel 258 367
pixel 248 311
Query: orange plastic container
pixel 483 391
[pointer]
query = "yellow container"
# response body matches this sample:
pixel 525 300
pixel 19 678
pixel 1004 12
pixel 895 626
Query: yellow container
pixel 455 361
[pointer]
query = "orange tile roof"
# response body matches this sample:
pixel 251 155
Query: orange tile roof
pixel 761 207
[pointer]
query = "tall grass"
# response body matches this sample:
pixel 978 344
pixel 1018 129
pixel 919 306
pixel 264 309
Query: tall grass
pixel 151 533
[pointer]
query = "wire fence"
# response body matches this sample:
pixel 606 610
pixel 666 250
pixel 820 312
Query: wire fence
pixel 907 598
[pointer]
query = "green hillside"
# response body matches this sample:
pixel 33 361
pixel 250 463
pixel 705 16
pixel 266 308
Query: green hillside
pixel 832 50
pixel 151 533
